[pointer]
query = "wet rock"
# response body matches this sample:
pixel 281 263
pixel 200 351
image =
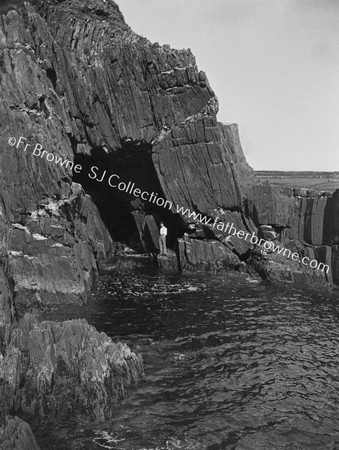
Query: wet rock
pixel 300 215
pixel 78 81
pixel 198 254
pixel 55 254
pixel 16 434
pixel 169 261
pixel 54 369
pixel 240 167
pixel 278 268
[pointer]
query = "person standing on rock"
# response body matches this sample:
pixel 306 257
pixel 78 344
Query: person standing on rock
pixel 162 239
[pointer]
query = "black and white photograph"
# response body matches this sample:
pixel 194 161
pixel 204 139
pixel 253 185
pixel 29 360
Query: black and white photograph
pixel 169 224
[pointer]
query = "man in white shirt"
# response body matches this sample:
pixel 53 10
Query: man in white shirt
pixel 162 239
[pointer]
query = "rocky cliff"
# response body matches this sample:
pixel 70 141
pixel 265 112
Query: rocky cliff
pixel 55 369
pixel 16 434
pixel 305 220
pixel 78 84
pixel 85 99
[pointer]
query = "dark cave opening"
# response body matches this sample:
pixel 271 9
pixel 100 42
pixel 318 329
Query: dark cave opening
pixel 121 211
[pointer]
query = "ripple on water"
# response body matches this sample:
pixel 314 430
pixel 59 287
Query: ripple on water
pixel 230 364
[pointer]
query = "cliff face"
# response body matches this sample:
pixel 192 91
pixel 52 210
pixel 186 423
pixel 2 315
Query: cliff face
pixel 16 434
pixel 305 220
pixel 84 98
pixel 56 369
pixel 80 84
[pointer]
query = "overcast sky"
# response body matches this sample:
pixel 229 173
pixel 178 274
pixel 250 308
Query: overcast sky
pixel 273 64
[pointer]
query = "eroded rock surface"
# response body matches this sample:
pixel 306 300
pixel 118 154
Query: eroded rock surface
pixel 305 221
pixel 16 434
pixel 78 81
pixel 53 369
pixel 79 85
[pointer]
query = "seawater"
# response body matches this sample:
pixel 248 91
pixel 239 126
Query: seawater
pixel 231 363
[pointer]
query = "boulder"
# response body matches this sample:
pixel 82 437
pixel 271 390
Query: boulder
pixel 15 434
pixel 168 262
pixel 55 369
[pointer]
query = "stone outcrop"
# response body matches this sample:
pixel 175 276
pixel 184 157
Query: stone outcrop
pixel 305 221
pixel 199 254
pixel 52 239
pixel 278 268
pixel 85 87
pixel 83 98
pixel 15 434
pixel 52 257
pixel 7 313
pixel 168 262
pixel 55 369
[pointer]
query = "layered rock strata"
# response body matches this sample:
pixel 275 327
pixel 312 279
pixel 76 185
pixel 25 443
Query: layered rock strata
pixel 78 84
pixel 55 369
pixel 15 434
pixel 305 221
pixel 86 87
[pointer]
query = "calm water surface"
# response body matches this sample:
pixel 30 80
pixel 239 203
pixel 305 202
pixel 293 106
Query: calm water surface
pixel 230 363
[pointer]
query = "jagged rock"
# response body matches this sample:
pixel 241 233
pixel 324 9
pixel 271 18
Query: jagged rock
pixel 6 307
pixel 331 222
pixel 16 434
pixel 199 254
pixel 277 268
pixel 168 262
pixel 148 231
pixel 270 205
pixel 53 257
pixel 45 48
pixel 194 157
pixel 302 215
pixel 78 81
pixel 53 369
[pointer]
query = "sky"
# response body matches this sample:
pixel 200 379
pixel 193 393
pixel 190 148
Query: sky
pixel 273 64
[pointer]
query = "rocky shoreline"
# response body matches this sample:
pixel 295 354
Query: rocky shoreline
pixel 78 81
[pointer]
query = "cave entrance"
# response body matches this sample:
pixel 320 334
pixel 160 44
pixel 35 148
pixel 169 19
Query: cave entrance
pixel 128 219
